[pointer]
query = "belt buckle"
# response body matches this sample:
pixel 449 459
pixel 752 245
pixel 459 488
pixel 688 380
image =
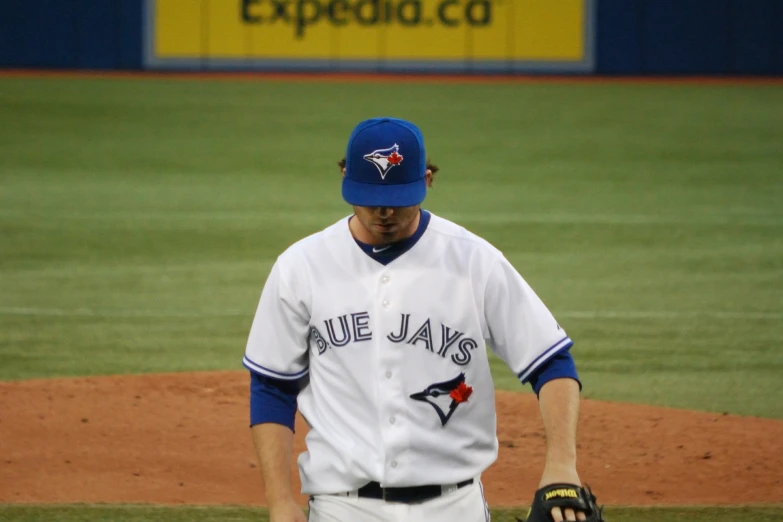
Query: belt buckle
pixel 383 494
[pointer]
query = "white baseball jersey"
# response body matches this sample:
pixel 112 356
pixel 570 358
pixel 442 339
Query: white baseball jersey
pixel 400 390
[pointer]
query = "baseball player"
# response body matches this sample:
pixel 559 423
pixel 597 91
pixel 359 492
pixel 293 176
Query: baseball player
pixel 376 329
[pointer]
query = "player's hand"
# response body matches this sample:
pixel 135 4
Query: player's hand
pixel 564 502
pixel 567 514
pixel 286 512
pixel 562 476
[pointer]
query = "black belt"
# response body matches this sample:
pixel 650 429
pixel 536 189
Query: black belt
pixel 405 495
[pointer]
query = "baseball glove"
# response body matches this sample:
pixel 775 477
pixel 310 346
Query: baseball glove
pixel 563 496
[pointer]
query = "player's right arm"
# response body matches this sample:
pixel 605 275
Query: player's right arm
pixel 277 358
pixel 273 443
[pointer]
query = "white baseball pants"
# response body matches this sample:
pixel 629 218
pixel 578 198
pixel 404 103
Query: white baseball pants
pixel 466 504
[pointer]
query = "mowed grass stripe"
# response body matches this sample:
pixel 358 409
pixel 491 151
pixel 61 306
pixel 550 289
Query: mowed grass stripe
pixel 236 514
pixel 173 218
pixel 569 314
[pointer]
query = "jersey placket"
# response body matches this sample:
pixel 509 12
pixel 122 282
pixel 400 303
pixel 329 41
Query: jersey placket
pixel 390 358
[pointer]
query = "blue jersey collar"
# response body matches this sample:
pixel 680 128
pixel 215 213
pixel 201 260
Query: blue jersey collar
pixel 385 254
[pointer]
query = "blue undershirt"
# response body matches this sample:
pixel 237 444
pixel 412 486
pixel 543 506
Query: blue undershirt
pixel 275 400
pixel 559 366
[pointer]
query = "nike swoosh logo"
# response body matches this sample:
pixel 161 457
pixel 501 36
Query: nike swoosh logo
pixel 378 250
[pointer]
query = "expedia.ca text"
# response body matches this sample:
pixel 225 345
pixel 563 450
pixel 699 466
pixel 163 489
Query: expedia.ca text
pixel 301 14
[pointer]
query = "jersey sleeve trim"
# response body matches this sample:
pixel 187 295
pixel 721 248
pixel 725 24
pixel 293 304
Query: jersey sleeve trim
pixel 563 343
pixel 257 368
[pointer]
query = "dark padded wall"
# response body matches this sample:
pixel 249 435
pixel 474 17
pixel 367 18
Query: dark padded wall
pixel 636 37
pixel 68 34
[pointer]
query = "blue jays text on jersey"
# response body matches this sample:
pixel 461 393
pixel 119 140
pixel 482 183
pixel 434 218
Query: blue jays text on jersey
pixel 356 329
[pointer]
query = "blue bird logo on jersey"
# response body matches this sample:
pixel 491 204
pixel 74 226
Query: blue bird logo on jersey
pixel 385 159
pixel 445 395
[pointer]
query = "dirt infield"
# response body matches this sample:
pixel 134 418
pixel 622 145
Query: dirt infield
pixel 335 77
pixel 184 438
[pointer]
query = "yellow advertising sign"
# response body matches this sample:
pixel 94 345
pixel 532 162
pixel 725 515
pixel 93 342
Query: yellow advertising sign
pixel 371 33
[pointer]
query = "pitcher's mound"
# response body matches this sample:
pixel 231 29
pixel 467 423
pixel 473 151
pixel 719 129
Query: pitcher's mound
pixel 184 438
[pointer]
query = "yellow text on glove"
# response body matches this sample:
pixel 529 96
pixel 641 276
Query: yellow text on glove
pixel 561 493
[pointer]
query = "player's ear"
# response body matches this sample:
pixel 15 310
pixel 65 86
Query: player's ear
pixel 428 178
pixel 342 163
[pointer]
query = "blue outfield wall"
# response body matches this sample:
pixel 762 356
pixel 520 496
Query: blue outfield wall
pixel 71 34
pixel 690 37
pixel 633 37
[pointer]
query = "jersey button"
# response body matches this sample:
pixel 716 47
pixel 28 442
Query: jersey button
pixel 385 279
pixel 394 464
pixel 392 420
pixel 388 375
pixel 386 304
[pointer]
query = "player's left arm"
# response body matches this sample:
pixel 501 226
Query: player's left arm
pixel 524 333
pixel 558 402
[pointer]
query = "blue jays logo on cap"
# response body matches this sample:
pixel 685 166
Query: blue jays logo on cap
pixel 385 159
pixel 378 146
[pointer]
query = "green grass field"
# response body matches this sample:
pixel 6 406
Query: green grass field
pixel 139 218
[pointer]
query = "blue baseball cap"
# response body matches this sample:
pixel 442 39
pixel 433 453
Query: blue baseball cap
pixel 385 164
